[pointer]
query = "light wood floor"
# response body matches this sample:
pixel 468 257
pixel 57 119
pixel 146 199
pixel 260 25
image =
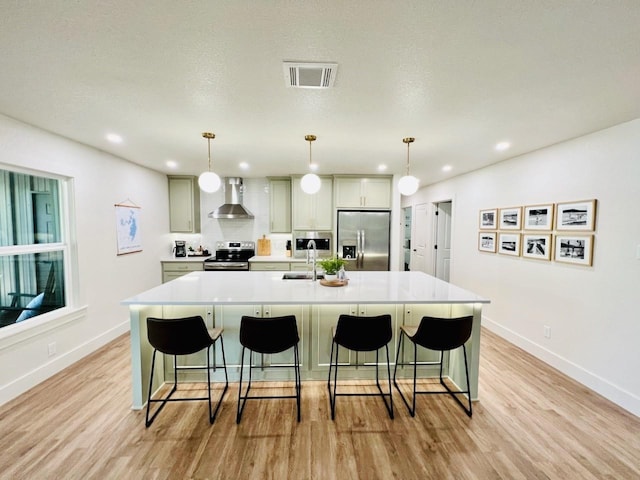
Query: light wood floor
pixel 531 422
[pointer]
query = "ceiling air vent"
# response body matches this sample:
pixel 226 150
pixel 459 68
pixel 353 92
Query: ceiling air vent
pixel 309 75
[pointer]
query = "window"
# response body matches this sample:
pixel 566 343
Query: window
pixel 33 251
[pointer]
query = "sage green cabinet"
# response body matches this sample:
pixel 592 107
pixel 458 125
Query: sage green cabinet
pixel 359 192
pixel 280 205
pixel 173 270
pixel 184 204
pixel 325 317
pixel 228 317
pixel 268 266
pixel 315 211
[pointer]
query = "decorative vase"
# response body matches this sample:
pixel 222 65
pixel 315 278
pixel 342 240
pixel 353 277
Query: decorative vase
pixel 330 277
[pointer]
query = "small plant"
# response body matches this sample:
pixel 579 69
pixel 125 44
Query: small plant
pixel 331 265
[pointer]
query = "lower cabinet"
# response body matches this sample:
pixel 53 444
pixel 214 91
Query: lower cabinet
pixel 173 270
pixel 325 317
pixel 228 317
pixel 314 328
pixel 269 266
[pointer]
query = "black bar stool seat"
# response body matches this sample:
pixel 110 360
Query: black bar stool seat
pixel 360 334
pixel 183 336
pixel 439 334
pixel 268 336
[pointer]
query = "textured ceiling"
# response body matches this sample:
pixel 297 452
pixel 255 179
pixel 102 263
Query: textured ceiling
pixel 459 76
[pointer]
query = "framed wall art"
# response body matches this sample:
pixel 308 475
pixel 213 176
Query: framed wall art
pixel 576 249
pixel 576 216
pixel 537 245
pixel 509 244
pixel 510 218
pixel 487 242
pixel 128 228
pixel 538 217
pixel 489 219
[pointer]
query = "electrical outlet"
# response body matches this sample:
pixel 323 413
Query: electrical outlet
pixel 547 331
pixel 51 348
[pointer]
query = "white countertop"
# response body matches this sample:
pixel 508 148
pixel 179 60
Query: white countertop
pixel 268 288
pixel 199 258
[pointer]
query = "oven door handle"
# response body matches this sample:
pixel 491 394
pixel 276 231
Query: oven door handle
pixel 226 265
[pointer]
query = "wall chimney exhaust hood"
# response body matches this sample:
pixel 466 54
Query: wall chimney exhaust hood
pixel 232 207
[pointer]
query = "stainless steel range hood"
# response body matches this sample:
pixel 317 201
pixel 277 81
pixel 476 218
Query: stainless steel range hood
pixel 232 207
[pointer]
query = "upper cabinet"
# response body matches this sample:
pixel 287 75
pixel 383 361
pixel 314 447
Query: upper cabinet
pixel 359 192
pixel 312 212
pixel 184 204
pixel 280 205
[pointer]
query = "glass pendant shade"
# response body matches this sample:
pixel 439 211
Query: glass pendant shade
pixel 408 185
pixel 310 183
pixel 209 182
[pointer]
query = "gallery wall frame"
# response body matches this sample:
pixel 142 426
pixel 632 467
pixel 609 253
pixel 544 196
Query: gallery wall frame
pixel 509 244
pixel 487 242
pixel 575 249
pixel 537 245
pixel 576 216
pixel 538 217
pixel 510 218
pixel 489 219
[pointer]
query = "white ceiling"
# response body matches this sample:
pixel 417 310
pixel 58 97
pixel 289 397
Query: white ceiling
pixel 459 76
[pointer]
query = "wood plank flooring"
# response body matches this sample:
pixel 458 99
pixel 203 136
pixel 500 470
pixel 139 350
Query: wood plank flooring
pixel 531 423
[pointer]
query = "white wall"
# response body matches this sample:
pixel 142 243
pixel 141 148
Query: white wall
pixel 595 328
pixel 104 279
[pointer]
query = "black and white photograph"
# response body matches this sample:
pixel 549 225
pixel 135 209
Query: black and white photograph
pixel 574 249
pixel 538 217
pixel 510 218
pixel 509 244
pixel 487 242
pixel 536 246
pixel 489 219
pixel 577 216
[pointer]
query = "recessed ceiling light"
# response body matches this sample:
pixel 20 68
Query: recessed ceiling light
pixel 243 165
pixel 446 168
pixel 382 168
pixel 171 164
pixel 114 138
pixel 501 146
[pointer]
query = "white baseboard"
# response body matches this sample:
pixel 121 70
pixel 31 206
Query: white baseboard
pixel 617 395
pixel 31 379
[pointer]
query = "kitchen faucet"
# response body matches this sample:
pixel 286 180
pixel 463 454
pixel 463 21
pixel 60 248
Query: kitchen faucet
pixel 312 244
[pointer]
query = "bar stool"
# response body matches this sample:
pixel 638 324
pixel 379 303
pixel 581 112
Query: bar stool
pixel 440 334
pixel 268 335
pixel 183 336
pixel 361 334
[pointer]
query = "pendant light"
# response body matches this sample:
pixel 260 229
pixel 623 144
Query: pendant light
pixel 209 181
pixel 310 183
pixel 408 185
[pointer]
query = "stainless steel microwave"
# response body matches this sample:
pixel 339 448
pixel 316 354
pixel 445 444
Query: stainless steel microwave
pixel 323 241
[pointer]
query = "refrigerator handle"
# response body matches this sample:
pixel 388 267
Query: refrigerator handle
pixel 362 241
pixel 358 249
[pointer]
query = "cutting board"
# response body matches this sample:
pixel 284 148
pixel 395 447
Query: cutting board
pixel 264 246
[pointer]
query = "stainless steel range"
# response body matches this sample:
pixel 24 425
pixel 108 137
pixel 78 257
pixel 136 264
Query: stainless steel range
pixel 231 256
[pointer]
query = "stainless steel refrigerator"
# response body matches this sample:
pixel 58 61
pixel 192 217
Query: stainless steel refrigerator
pixel 363 239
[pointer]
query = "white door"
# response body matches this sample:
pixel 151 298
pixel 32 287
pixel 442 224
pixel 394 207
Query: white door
pixel 442 240
pixel 419 238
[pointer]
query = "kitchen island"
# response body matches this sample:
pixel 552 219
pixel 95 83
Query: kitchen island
pixel 223 297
